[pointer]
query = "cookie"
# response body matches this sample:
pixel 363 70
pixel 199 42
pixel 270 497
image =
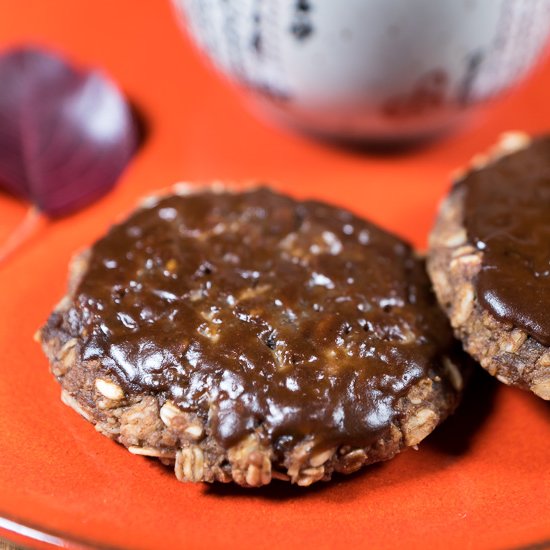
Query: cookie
pixel 249 336
pixel 489 261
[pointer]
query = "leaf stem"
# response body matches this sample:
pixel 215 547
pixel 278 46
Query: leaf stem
pixel 29 224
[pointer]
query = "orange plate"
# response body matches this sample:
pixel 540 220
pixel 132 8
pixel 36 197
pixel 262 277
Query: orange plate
pixel 481 481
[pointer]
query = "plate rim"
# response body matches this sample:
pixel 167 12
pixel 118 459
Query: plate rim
pixel 28 531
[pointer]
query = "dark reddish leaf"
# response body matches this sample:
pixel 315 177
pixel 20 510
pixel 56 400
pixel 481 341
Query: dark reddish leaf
pixel 65 134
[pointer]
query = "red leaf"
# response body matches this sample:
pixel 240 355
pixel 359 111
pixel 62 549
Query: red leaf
pixel 65 134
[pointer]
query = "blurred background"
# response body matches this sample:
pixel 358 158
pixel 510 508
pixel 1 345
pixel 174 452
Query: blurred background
pixel 202 128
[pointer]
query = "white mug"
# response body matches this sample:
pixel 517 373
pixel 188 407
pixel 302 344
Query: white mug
pixel 382 69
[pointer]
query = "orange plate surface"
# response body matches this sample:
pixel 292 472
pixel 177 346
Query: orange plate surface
pixel 482 481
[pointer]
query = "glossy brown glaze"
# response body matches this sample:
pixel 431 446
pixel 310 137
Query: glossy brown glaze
pixel 254 309
pixel 507 216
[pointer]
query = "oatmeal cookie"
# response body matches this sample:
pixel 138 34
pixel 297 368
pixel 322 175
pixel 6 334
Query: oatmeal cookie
pixel 489 261
pixel 247 336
